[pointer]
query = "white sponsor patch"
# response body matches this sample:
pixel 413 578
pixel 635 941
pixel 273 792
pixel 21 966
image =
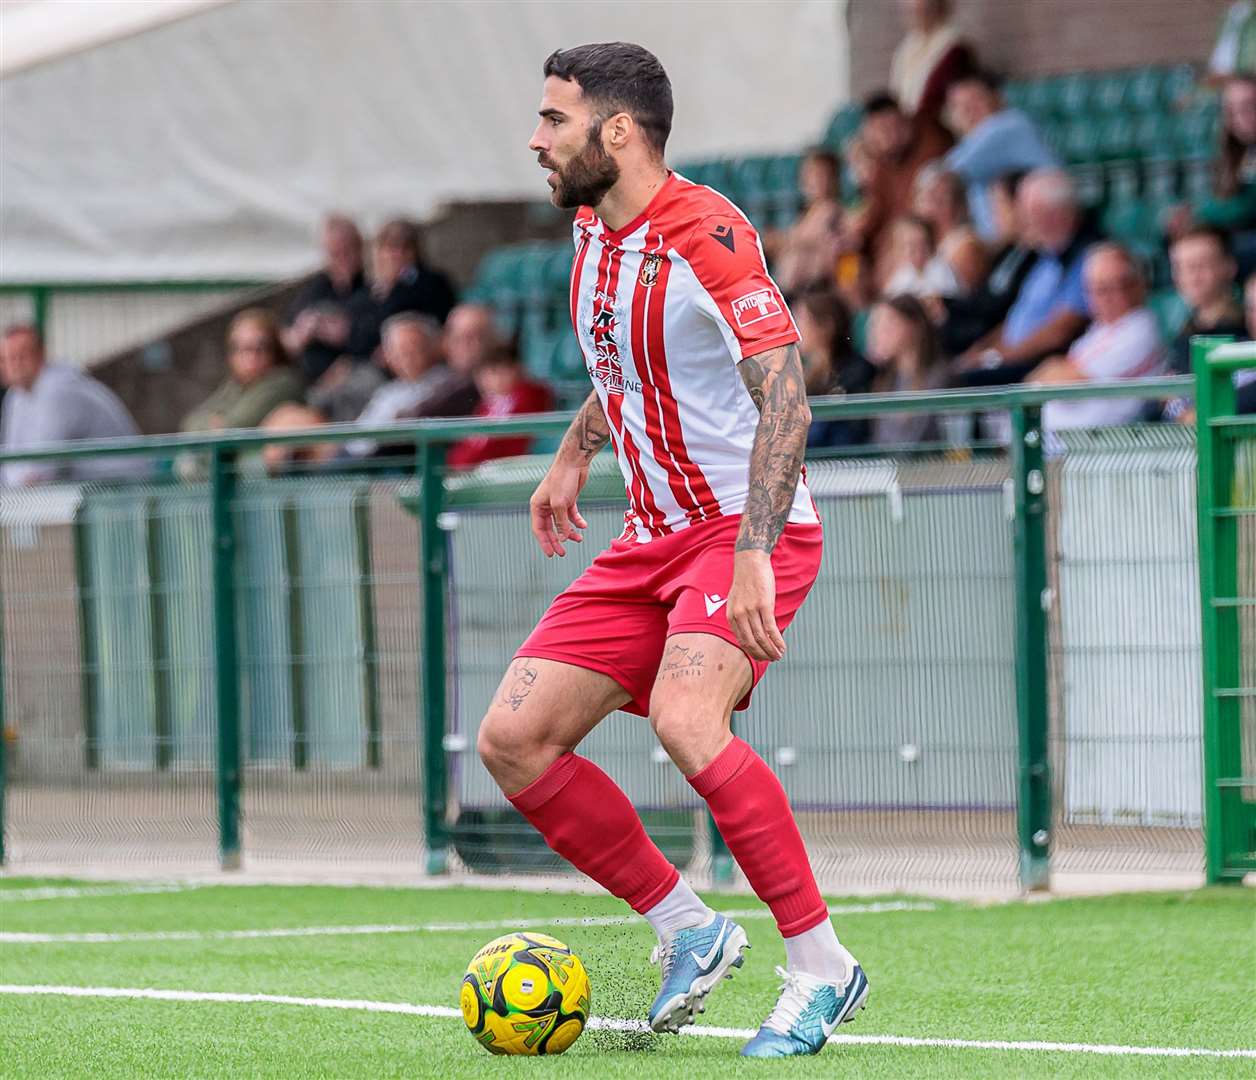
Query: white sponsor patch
pixel 755 307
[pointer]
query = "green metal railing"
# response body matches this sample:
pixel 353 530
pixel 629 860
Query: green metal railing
pixel 1227 561
pixel 433 496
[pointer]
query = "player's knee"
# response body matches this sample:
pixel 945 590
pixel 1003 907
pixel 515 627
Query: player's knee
pixel 682 724
pixel 498 741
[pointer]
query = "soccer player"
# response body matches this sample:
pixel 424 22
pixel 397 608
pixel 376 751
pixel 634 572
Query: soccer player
pixel 698 386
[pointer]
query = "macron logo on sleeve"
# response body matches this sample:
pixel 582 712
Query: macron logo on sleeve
pixel 755 307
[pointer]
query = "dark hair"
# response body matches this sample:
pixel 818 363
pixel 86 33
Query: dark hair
pixel 400 231
pixel 1010 182
pixel 983 76
pixel 879 101
pixel 921 223
pixel 824 305
pixel 264 318
pixel 1205 232
pixel 825 154
pixel 931 356
pixel 1233 150
pixel 617 76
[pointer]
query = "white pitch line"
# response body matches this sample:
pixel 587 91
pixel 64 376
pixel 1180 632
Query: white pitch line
pixel 74 892
pixel 104 938
pixel 610 1023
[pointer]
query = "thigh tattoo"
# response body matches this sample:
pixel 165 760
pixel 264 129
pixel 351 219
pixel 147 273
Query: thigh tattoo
pixel 517 684
pixel 682 663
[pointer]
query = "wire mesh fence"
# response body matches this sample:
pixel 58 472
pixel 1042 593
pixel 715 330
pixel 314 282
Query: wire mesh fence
pixel 893 722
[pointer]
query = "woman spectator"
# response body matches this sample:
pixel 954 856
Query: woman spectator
pixel 259 378
pixel 830 363
pixel 928 59
pixel 942 200
pixel 904 349
pixel 913 264
pixel 1232 206
pixel 806 253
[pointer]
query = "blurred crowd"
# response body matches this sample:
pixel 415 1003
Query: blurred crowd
pixel 970 260
pixel 966 258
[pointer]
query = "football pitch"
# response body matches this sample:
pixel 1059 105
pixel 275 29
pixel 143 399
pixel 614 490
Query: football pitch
pixel 128 979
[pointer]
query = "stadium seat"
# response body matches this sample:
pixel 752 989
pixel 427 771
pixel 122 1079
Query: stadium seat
pixel 1073 94
pixel 1196 132
pixel 1143 92
pixel 1016 94
pixel 843 125
pixel 1169 310
pixel 1176 84
pixel 1110 91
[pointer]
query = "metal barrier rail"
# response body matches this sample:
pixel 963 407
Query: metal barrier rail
pixel 429 438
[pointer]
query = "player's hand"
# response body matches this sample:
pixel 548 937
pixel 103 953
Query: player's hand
pixel 752 606
pixel 555 516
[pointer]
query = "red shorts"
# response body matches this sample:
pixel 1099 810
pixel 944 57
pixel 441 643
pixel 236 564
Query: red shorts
pixel 616 617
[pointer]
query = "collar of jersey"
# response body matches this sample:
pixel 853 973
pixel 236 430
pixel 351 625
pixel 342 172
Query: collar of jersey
pixel 614 236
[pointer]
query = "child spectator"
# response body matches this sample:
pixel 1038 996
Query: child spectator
pixel 904 349
pixel 942 200
pixel 505 390
pixel 913 263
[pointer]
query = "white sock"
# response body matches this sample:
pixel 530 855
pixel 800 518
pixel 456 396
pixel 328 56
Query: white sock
pixel 678 910
pixel 817 952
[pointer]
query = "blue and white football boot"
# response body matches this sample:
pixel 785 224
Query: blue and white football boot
pixel 807 1013
pixel 692 961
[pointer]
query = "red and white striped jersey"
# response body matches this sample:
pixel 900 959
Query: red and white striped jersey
pixel 665 309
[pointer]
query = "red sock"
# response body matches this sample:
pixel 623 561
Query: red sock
pixel 753 815
pixel 588 820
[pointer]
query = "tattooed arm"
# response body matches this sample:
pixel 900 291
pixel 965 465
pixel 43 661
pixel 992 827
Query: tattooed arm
pixel 555 516
pixel 777 387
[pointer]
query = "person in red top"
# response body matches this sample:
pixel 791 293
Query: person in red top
pixel 699 388
pixel 505 390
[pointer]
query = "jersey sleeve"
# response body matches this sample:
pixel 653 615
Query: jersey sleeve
pixel 724 253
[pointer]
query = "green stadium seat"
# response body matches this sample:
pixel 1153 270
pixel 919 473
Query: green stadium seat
pixel 844 123
pixel 1081 141
pixel 1117 138
pixel 1088 177
pixel 567 361
pixel 1040 98
pixel 1122 181
pixel 1110 91
pixel 1153 135
pixel 1143 93
pixel 1073 94
pixel 1016 93
pixel 1176 83
pixel 1196 132
pixel 1160 180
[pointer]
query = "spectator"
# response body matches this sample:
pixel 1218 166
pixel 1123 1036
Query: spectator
pixel 928 60
pixel 1203 274
pixel 423 385
pixel 903 347
pixel 318 320
pixel 1123 342
pixel 471 336
pixel 898 152
pixel 1235 51
pixel 963 320
pixel 806 254
pixel 1232 206
pixel 995 141
pixel 830 363
pixel 942 200
pixel 49 403
pixel 913 263
pixel 1245 381
pixel 401 282
pixel 1050 309
pixel 259 377
pixel 505 390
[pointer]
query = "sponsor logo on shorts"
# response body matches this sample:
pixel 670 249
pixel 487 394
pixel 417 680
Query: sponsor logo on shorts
pixel 755 307
pixel 714 602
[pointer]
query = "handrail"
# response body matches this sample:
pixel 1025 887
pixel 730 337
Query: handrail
pixel 1233 356
pixel 425 432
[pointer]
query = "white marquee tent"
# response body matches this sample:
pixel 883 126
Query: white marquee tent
pixel 199 139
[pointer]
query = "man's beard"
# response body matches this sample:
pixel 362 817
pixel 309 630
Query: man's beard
pixel 586 177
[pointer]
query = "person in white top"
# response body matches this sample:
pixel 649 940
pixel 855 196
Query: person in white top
pixel 1123 342
pixel 50 403
pixel 916 266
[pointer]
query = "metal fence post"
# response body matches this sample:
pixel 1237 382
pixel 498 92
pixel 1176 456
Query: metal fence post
pixel 4 787
pixel 1033 804
pixel 1218 578
pixel 226 659
pixel 434 578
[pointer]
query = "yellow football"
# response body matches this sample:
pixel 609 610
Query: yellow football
pixel 525 993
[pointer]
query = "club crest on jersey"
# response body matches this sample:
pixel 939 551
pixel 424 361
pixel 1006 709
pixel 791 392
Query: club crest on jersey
pixel 649 271
pixel 607 367
pixel 755 307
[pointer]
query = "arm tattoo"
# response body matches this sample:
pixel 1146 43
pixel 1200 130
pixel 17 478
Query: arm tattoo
pixel 778 389
pixel 588 433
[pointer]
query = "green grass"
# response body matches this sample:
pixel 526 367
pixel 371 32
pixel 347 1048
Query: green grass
pixel 1160 970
